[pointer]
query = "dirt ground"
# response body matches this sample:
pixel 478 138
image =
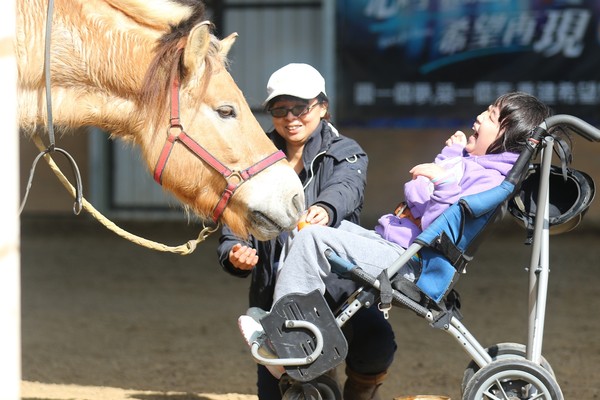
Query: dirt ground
pixel 104 319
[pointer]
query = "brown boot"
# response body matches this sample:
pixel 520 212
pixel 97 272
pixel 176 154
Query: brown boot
pixel 362 387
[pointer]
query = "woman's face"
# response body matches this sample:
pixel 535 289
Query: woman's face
pixel 486 129
pixel 297 129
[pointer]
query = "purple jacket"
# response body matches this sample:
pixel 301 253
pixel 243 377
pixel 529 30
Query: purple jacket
pixel 466 175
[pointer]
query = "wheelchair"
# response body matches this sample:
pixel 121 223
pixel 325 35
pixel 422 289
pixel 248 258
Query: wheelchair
pixel 306 334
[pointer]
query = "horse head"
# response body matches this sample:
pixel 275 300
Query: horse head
pixel 156 77
pixel 224 164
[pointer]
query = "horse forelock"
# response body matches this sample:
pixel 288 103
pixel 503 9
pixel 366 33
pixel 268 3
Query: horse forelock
pixel 177 18
pixel 155 92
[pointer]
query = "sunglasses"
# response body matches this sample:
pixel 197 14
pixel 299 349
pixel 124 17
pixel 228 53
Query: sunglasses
pixel 297 111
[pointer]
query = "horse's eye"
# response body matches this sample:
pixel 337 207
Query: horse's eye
pixel 226 112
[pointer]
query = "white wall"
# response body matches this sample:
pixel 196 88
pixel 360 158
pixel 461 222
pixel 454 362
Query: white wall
pixel 10 292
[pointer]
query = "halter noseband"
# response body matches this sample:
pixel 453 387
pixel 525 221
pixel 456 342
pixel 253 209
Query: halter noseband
pixel 234 179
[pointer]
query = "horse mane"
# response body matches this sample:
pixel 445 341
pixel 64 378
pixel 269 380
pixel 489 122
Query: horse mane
pixel 156 85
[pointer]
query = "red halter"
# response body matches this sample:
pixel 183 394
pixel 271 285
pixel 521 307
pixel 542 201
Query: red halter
pixel 204 155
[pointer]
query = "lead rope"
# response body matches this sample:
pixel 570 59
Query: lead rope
pixel 76 192
pixel 182 249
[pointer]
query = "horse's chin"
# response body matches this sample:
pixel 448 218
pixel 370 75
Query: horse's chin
pixel 264 228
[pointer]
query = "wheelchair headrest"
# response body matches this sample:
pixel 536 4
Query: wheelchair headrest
pixel 571 193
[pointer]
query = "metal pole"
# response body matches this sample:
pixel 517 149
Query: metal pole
pixel 538 269
pixel 328 49
pixel 10 285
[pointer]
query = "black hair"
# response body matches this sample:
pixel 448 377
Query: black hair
pixel 519 114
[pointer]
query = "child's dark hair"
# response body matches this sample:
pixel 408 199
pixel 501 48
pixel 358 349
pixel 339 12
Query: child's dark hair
pixel 519 114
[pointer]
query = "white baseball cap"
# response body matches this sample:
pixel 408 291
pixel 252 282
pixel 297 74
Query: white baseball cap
pixel 296 79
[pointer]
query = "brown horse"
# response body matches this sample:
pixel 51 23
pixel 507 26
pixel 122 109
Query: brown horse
pixel 152 72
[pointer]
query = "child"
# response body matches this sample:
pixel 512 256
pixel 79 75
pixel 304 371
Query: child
pixel 465 166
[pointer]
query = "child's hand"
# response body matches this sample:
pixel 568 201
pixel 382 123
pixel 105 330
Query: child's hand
pixel 457 138
pixel 428 170
pixel 243 257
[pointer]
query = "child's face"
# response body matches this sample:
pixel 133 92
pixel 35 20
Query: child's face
pixel 486 130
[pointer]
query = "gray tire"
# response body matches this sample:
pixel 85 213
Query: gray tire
pixel 512 379
pixel 321 388
pixel 502 351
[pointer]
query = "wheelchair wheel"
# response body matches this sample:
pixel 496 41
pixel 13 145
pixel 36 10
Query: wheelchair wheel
pixel 321 388
pixel 512 379
pixel 502 351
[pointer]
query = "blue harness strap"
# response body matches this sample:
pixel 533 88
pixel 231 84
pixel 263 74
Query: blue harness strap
pixel 449 241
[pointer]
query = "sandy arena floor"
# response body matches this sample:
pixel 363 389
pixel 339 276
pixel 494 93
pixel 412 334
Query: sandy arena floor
pixel 104 319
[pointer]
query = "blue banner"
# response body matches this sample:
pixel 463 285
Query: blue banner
pixel 440 62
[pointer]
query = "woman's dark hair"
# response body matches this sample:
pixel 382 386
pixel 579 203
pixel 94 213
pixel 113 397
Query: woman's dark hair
pixel 322 98
pixel 519 114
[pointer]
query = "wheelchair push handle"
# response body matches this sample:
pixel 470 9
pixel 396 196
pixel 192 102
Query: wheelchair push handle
pixel 579 126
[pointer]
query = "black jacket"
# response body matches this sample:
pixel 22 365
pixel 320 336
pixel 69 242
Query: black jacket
pixel 334 176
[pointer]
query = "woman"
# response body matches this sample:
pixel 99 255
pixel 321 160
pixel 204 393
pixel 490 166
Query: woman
pixel 333 170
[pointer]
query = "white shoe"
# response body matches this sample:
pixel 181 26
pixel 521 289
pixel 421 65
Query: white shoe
pixel 251 329
pixel 253 332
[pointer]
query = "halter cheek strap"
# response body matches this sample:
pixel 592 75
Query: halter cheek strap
pixel 233 178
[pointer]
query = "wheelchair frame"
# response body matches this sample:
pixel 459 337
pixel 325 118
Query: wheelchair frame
pixel 499 372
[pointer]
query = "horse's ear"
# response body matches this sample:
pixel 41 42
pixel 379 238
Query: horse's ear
pixel 197 46
pixel 227 43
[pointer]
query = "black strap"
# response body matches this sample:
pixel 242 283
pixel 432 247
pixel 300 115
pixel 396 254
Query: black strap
pixel 386 293
pixel 444 245
pixel 78 204
pixel 412 291
pixel 47 46
pixel 563 151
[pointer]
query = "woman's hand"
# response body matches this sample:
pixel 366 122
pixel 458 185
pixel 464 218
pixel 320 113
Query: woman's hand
pixel 243 257
pixel 315 215
pixel 457 138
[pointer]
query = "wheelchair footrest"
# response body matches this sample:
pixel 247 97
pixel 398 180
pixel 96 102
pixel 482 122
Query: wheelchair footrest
pixel 294 342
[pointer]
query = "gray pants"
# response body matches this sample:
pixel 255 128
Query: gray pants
pixel 303 264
